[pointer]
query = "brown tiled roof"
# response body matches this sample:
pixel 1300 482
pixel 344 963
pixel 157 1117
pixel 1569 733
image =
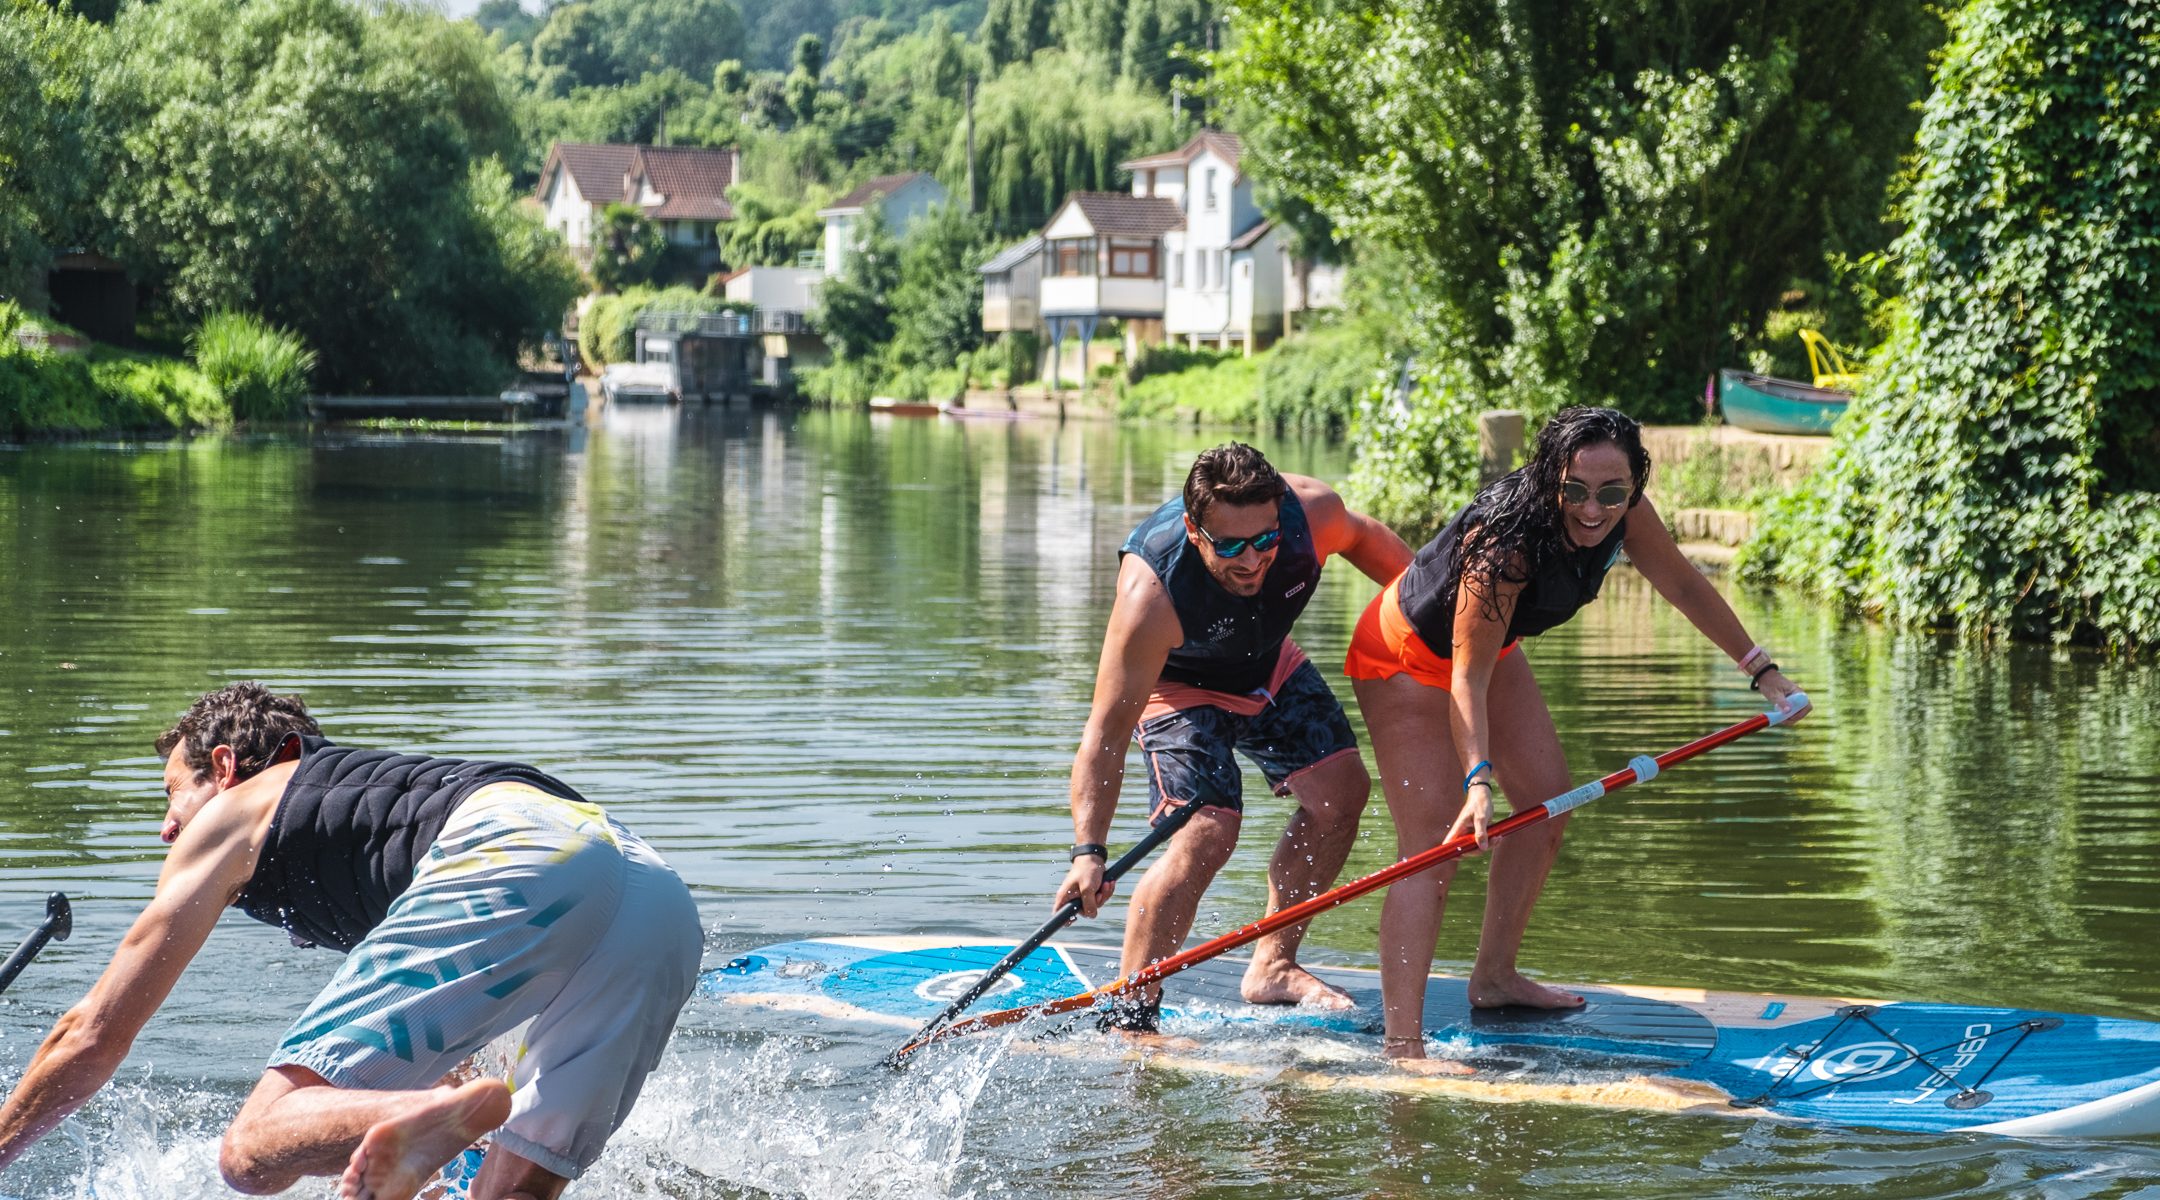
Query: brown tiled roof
pixel 1229 146
pixel 1247 239
pixel 883 185
pixel 596 169
pixel 692 180
pixel 1122 214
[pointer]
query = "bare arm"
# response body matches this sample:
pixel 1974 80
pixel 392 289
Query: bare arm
pixel 1143 630
pixel 207 867
pixel 1651 548
pixel 1480 635
pixel 1370 546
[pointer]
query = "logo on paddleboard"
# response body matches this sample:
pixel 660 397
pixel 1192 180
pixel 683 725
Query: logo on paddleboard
pixel 1878 1060
pixel 946 988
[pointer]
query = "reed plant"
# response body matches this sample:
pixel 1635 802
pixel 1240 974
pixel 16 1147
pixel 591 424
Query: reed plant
pixel 261 370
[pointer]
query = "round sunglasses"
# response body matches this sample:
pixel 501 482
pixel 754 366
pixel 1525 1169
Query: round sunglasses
pixel 1612 495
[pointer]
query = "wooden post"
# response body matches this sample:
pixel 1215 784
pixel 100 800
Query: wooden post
pixel 1500 443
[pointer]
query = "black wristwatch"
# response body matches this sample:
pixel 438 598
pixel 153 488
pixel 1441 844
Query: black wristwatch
pixel 1095 848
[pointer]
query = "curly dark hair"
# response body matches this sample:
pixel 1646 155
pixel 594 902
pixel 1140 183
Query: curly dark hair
pixel 246 716
pixel 1516 529
pixel 1232 473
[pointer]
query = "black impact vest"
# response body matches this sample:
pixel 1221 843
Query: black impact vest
pixel 1568 581
pixel 1231 642
pixel 352 828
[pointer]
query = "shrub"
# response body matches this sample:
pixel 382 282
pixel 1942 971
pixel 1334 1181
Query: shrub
pixel 1314 380
pixel 259 369
pixel 608 331
pixel 1222 393
pixel 1170 359
pixel 42 393
pixel 1417 459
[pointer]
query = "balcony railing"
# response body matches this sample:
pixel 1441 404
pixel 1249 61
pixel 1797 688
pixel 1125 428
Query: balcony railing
pixel 719 324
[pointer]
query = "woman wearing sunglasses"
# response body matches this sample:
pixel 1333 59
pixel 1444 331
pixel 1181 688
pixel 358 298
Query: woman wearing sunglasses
pixel 1454 710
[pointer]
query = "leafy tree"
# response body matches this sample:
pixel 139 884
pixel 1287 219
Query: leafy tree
pixel 1156 31
pixel 575 41
pixel 509 19
pixel 627 247
pixel 854 311
pixel 48 147
pixel 768 230
pixel 1998 470
pixel 937 299
pixel 600 42
pixel 312 161
pixel 773 28
pixel 810 55
pixel 1602 199
pixel 1054 125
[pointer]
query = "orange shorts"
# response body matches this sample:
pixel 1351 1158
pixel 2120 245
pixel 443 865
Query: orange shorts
pixel 1386 645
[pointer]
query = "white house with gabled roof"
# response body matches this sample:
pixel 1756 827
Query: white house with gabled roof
pixel 1102 258
pixel 904 199
pixel 1223 265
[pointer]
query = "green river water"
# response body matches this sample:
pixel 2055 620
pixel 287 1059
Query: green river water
pixel 834 667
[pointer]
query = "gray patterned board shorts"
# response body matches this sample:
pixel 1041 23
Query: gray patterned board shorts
pixel 1191 752
pixel 529 907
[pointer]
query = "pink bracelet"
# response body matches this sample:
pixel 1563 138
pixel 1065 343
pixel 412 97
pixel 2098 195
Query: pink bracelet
pixel 1749 661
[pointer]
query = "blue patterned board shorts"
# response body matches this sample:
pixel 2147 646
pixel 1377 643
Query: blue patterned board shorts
pixel 1190 752
pixel 529 907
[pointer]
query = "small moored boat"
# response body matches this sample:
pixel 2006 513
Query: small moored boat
pixel 1767 404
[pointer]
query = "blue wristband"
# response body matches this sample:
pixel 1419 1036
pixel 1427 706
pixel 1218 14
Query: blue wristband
pixel 1471 778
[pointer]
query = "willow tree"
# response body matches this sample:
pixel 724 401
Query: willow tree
pixel 1998 473
pixel 1053 125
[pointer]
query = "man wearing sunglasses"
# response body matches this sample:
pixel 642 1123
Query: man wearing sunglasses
pixel 1198 659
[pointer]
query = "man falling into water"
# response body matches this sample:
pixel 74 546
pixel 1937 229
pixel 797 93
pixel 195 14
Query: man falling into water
pixel 1198 656
pixel 469 897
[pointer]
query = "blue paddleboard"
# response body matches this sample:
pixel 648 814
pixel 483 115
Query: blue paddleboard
pixel 1922 1067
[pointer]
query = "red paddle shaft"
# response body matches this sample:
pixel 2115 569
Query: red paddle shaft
pixel 1641 768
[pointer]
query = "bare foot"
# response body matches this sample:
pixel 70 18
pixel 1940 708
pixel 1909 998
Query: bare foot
pixel 400 1156
pixel 1517 989
pixel 1408 1054
pixel 1291 984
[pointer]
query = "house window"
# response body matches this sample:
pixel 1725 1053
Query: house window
pixel 1199 270
pixel 1222 269
pixel 1209 202
pixel 1177 270
pixel 1132 260
pixel 1073 256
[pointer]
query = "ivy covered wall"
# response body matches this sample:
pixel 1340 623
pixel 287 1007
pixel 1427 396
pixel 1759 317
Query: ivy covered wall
pixel 1997 473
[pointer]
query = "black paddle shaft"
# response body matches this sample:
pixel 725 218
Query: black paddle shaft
pixel 1172 821
pixel 59 922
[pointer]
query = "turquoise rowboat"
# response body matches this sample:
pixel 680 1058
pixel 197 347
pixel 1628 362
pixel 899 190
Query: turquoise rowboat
pixel 1765 404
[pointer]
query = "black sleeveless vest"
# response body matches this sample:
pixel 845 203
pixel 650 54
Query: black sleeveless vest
pixel 1567 582
pixel 350 831
pixel 1231 642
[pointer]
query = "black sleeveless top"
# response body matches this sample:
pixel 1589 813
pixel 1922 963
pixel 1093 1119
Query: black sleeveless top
pixel 350 831
pixel 1231 642
pixel 1567 582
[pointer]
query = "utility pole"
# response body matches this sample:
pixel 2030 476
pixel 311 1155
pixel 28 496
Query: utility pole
pixel 1177 100
pixel 970 144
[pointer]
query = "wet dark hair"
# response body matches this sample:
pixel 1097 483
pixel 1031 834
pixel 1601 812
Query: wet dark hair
pixel 1232 473
pixel 1517 524
pixel 246 716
